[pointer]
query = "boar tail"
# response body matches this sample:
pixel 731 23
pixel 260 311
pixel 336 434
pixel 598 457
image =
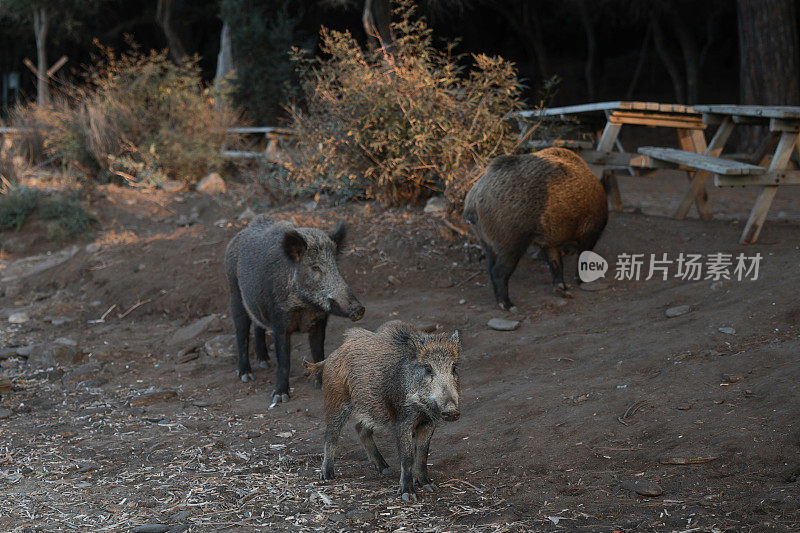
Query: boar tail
pixel 313 369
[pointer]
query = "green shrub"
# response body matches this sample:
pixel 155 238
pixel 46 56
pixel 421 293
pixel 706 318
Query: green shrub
pixel 140 117
pixel 66 218
pixel 15 205
pixel 401 127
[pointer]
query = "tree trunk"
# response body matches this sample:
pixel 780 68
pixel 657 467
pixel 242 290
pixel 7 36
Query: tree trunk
pixel 377 18
pixel 690 57
pixel 164 11
pixel 769 57
pixel 591 46
pixel 224 65
pixel 637 72
pixel 40 32
pixel 666 58
pixel 225 56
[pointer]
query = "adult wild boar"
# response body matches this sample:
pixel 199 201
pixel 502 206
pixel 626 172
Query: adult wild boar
pixel 285 279
pixel 549 198
pixel 398 379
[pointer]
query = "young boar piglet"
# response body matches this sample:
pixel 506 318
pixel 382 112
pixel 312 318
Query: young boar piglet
pixel 550 198
pixel 396 379
pixel 285 279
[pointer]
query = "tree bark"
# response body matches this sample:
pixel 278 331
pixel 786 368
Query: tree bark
pixel 164 11
pixel 666 58
pixel 591 46
pixel 225 56
pixel 690 57
pixel 769 55
pixel 40 26
pixel 377 18
pixel 639 62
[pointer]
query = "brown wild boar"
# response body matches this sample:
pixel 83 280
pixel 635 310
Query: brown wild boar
pixel 397 379
pixel 549 198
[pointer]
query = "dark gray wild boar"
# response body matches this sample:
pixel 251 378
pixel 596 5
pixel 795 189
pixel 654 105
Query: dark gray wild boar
pixel 285 279
pixel 398 379
pixel 550 198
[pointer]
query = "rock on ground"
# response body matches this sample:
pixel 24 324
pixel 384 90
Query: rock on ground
pixel 672 312
pixel 212 184
pixel 191 331
pixel 501 324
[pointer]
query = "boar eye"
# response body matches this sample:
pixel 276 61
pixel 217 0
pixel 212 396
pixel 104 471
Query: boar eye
pixel 429 369
pixel 316 268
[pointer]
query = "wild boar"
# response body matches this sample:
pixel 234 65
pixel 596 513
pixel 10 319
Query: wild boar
pixel 285 279
pixel 549 198
pixel 397 379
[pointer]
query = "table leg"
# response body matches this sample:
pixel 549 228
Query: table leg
pixel 697 185
pixel 606 144
pixel 695 141
pixel 758 214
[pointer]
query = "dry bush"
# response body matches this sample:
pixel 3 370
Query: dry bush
pixel 140 117
pixel 402 126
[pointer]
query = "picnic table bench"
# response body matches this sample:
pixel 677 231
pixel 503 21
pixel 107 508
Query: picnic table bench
pixel 784 136
pixel 272 135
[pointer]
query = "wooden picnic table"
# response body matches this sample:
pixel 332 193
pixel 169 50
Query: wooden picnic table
pixel 769 167
pixel 604 161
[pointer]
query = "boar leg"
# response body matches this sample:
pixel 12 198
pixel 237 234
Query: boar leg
pixel 504 266
pixel 373 453
pixel 316 339
pixel 241 321
pixel 335 420
pixel 422 438
pixel 260 347
pixel 556 268
pixel 282 349
pixel 405 447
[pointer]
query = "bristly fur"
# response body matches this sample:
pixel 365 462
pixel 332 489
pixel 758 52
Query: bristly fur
pixel 397 379
pixel 285 279
pixel 550 198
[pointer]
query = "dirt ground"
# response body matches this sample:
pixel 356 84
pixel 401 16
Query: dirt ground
pixel 136 419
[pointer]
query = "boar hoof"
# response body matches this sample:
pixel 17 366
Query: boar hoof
pixel 247 376
pixel 507 307
pixel 264 364
pixel 386 471
pixel 409 496
pixel 279 397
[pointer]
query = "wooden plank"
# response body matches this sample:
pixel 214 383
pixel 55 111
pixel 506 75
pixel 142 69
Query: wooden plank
pixel 715 165
pixel 607 106
pixel 780 177
pixel 785 112
pixel 572 144
pixel 261 129
pixel 695 141
pixel 697 184
pixel 606 144
pixel 656 120
pixel 759 212
pixel 776 124
pixel 622 160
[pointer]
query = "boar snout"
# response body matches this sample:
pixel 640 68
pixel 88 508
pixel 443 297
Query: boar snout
pixel 357 313
pixel 450 413
pixel 351 307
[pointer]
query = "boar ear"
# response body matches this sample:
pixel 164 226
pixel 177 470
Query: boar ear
pixel 294 245
pixel 456 339
pixel 338 235
pixel 408 342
